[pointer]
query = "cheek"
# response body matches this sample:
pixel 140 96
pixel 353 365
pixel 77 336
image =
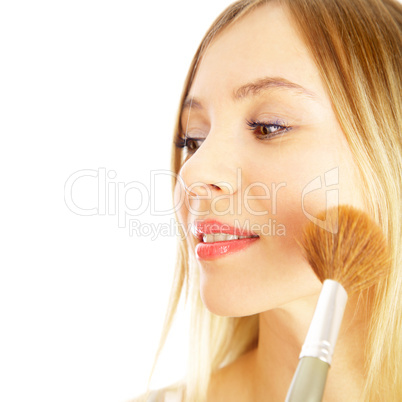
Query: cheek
pixel 301 184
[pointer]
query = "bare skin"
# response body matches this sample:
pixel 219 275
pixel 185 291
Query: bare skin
pixel 265 373
pixel 271 277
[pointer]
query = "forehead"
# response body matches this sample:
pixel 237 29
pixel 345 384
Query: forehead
pixel 263 43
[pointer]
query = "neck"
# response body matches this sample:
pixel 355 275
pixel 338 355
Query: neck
pixel 281 336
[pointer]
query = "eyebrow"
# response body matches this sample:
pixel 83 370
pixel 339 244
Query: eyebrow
pixel 256 87
pixel 263 84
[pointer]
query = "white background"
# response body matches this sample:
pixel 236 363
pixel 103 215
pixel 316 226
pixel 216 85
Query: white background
pixel 87 85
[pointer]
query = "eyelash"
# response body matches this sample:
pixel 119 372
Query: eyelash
pixel 253 125
pixel 184 143
pixel 283 128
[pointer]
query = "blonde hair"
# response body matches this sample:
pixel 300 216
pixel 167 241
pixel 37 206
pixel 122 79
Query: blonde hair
pixel 356 45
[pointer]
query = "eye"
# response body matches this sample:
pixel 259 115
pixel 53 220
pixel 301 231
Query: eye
pixel 266 130
pixel 189 143
pixel 192 144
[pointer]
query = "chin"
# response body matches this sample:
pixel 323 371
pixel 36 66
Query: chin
pixel 239 299
pixel 222 309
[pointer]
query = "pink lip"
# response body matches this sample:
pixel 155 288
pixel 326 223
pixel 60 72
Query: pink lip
pixel 208 251
pixel 210 226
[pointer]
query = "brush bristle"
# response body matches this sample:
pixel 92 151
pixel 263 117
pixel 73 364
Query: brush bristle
pixel 350 248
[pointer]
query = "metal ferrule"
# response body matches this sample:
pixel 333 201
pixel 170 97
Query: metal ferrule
pixel 324 328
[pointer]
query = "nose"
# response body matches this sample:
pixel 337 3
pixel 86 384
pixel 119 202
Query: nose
pixel 213 169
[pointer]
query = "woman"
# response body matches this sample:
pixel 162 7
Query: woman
pixel 280 95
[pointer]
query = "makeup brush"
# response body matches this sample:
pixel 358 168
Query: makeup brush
pixel 348 252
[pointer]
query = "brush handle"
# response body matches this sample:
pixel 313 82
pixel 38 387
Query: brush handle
pixel 309 381
pixel 316 355
pixel 324 327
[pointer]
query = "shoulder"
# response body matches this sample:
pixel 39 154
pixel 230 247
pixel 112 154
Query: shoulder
pixel 171 393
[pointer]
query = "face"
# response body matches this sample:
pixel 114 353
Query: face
pixel 266 154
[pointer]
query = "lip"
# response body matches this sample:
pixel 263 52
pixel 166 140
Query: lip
pixel 208 251
pixel 211 226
